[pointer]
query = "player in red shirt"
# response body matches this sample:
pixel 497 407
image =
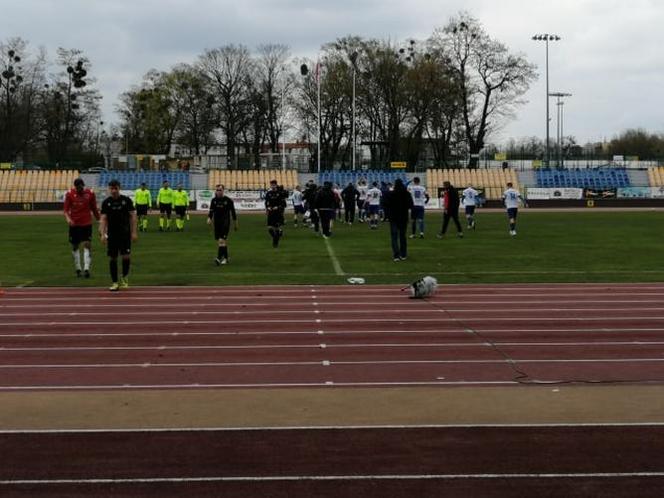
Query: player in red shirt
pixel 80 205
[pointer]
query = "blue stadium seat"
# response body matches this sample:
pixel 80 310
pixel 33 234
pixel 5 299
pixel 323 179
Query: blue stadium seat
pixel 580 178
pixel 130 180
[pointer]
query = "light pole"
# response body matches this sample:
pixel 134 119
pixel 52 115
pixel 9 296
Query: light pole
pixel 546 37
pixel 559 123
pixel 304 70
pixel 283 131
pixel 353 60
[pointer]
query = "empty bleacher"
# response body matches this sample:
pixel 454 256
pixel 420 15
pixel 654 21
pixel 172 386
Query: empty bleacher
pixel 656 176
pixel 252 179
pixel 601 178
pixel 131 180
pixel 35 186
pixel 343 178
pixel 493 181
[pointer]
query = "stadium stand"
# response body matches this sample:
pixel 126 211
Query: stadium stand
pixel 583 178
pixel 131 180
pixel 35 186
pixel 343 178
pixel 493 181
pixel 656 176
pixel 252 179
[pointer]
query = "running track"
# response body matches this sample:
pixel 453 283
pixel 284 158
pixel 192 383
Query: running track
pixel 328 337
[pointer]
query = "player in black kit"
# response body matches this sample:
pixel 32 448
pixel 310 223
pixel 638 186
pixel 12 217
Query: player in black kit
pixel 275 204
pixel 117 229
pixel 222 209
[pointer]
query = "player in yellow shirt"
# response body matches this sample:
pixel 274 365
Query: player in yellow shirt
pixel 165 203
pixel 181 203
pixel 143 203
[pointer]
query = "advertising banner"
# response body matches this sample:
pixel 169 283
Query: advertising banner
pixel 635 193
pixel 535 193
pixel 593 193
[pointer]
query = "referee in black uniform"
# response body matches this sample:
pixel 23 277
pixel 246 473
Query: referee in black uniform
pixel 222 209
pixel 117 229
pixel 275 205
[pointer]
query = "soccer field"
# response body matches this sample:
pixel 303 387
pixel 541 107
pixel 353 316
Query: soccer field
pixel 550 247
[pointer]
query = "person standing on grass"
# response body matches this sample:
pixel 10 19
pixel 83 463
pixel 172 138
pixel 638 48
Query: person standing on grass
pixel 450 209
pixel 117 229
pixel 398 205
pixel 350 196
pixel 420 198
pixel 181 204
pixel 362 200
pixel 298 205
pixel 143 202
pixel 309 196
pixel 165 203
pixel 275 205
pixel 79 207
pixel 470 196
pixel 222 209
pixel 512 198
pixel 374 196
pixel 326 204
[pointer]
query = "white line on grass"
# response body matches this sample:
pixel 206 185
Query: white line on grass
pixel 333 257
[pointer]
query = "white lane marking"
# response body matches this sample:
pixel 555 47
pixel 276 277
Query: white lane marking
pixel 112 387
pixel 182 303
pixel 351 477
pixel 510 361
pixel 365 311
pixel 335 262
pixel 337 320
pixel 332 346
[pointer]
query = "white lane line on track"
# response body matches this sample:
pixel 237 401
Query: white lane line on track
pixel 319 363
pixel 392 310
pixel 505 305
pixel 298 428
pixel 332 478
pixel 120 387
pixel 459 331
pixel 254 347
pixel 335 320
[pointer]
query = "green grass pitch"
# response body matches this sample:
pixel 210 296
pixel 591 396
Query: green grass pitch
pixel 592 246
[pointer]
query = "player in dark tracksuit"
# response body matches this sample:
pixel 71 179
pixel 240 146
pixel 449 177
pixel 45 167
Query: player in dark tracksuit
pixel 275 205
pixel 350 196
pixel 450 209
pixel 222 209
pixel 309 197
pixel 326 204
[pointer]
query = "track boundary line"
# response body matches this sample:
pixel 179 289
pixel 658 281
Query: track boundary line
pixel 335 262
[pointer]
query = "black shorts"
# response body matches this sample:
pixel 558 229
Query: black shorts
pixel 470 210
pixel 275 218
pixel 299 209
pixel 180 210
pixel 166 208
pixel 78 234
pixel 118 244
pixel 141 209
pixel 221 230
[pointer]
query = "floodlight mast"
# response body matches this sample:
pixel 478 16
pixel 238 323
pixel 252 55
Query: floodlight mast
pixel 546 37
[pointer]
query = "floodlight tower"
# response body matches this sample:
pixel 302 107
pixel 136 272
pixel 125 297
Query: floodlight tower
pixel 546 37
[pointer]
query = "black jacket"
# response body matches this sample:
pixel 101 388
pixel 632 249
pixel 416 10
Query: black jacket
pixel 325 199
pixel 350 194
pixel 398 204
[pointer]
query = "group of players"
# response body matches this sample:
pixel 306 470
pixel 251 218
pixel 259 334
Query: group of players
pixel 120 218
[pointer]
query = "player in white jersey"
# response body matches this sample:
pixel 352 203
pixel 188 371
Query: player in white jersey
pixel 362 200
pixel 469 200
pixel 420 198
pixel 298 205
pixel 512 198
pixel 373 199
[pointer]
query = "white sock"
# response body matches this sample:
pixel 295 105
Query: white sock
pixel 77 260
pixel 87 259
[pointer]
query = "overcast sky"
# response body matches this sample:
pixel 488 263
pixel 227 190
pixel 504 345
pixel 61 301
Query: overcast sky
pixel 609 57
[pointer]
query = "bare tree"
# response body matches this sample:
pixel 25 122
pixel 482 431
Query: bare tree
pixel 230 68
pixel 491 80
